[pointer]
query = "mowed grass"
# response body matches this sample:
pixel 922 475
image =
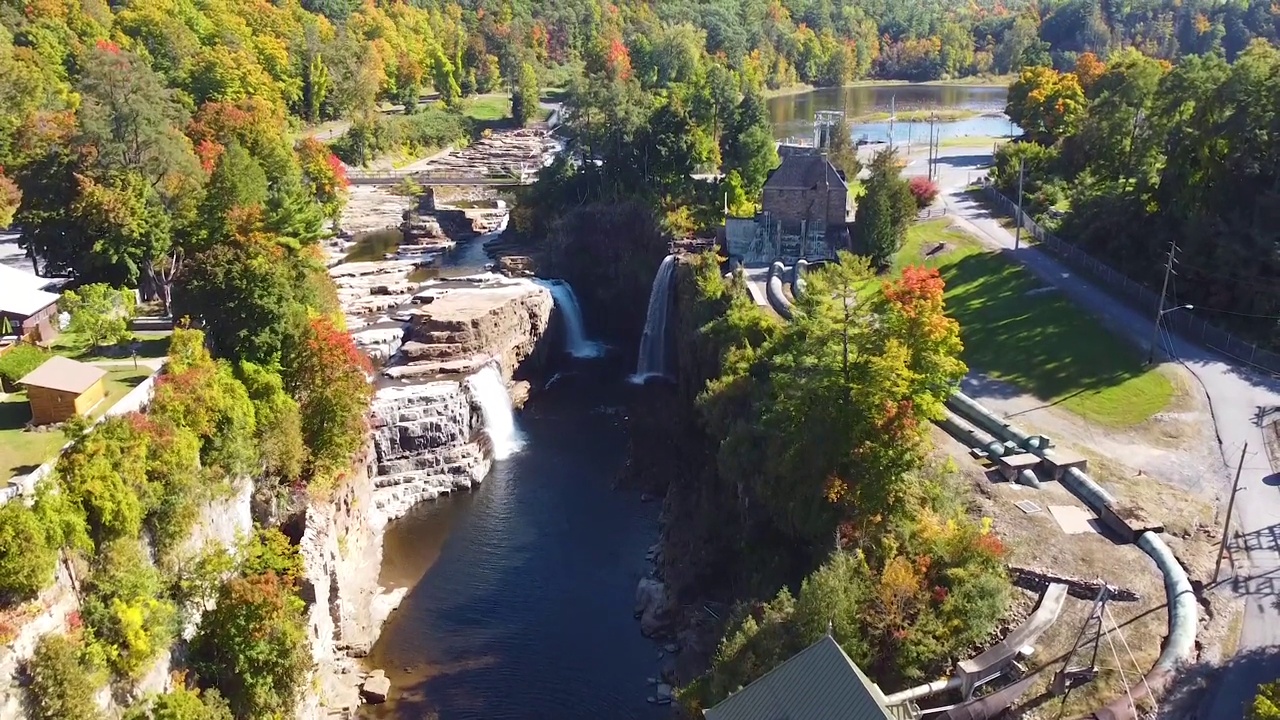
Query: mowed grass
pixel 148 343
pixel 22 451
pixel 1016 329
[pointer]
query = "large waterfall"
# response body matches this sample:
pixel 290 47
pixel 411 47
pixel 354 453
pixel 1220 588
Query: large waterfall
pixel 488 388
pixel 575 334
pixel 653 344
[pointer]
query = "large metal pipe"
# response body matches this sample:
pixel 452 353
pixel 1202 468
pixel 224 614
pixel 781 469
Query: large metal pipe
pixel 773 289
pixel 798 272
pixel 925 690
pixel 957 428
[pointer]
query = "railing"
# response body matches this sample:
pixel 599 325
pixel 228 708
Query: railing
pixel 1184 322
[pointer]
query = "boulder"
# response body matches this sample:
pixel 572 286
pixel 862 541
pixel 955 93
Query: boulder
pixel 375 688
pixel 652 607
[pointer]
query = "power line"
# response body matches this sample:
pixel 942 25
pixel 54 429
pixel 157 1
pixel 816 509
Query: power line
pixel 1241 314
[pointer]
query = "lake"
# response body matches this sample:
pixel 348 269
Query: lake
pixel 792 115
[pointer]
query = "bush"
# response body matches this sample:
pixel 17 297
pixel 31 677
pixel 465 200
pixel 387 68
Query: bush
pixel 182 704
pixel 105 474
pixel 417 134
pixel 252 646
pixel 62 685
pixel 22 359
pixel 270 551
pixel 27 562
pixel 1266 705
pixel 924 190
pixel 128 620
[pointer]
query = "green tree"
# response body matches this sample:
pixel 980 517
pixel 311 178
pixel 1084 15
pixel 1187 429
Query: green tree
pixel 748 144
pixel 843 153
pixel 104 473
pixel 1266 704
pixel 885 210
pixel 182 704
pixel 132 227
pixel 238 183
pixel 524 95
pixel 62 686
pixel 99 312
pixel 252 646
pixel 279 423
pixel 27 561
pixel 444 77
pixel 20 360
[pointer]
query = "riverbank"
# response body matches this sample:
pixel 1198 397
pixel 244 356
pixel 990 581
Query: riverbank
pixel 976 81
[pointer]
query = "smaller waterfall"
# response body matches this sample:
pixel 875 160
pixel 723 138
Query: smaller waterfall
pixel 489 389
pixel 653 344
pixel 575 334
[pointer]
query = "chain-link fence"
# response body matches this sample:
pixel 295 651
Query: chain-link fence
pixel 1183 322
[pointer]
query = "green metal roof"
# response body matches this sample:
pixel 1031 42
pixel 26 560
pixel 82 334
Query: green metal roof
pixel 817 683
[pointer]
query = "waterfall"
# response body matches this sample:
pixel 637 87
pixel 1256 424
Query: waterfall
pixel 489 389
pixel 653 344
pixel 575 334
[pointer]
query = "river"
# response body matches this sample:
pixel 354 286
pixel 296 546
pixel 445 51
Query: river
pixel 792 115
pixel 521 591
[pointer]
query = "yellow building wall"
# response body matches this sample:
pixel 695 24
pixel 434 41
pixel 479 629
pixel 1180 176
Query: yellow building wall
pixel 53 406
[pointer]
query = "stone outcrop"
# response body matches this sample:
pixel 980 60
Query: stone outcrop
pixel 489 315
pixel 427 441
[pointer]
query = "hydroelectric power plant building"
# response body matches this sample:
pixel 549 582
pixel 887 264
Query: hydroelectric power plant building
pixel 804 214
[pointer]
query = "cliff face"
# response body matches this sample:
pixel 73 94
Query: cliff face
pixel 427 441
pixel 222 521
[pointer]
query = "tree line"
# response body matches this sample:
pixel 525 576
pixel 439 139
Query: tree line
pixel 1132 156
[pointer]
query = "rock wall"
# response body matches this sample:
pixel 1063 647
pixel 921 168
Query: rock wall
pixel 427 441
pixel 341 548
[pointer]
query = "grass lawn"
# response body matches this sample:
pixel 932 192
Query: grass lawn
pixel 1016 329
pixel 150 344
pixel 22 451
pixel 487 108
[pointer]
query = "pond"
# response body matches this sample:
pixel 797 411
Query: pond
pixel 979 109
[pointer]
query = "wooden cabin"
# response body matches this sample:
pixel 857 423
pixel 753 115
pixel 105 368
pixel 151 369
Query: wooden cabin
pixel 61 388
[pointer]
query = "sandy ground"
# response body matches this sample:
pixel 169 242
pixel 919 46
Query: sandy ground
pixel 1037 541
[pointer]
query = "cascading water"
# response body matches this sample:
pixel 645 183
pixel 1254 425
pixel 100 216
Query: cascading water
pixel 653 344
pixel 575 334
pixel 488 388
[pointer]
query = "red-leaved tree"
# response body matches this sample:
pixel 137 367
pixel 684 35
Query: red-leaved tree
pixel 924 190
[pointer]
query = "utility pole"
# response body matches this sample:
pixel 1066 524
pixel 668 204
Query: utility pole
pixel 1226 524
pixel 893 115
pixel 1017 233
pixel 1164 288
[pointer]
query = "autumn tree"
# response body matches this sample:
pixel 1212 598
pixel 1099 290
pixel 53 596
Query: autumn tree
pixel 1088 70
pixel 885 210
pixel 326 373
pixel 181 703
pixel 10 198
pixel 252 646
pixel 1046 104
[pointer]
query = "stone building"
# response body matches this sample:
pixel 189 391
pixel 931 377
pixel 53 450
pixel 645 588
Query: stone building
pixel 804 215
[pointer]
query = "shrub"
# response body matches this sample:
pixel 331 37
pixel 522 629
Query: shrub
pixel 105 474
pixel 1266 705
pixel 924 190
pixel 182 704
pixel 62 685
pixel 22 359
pixel 252 646
pixel 270 551
pixel 128 620
pixel 27 562
pixel 100 312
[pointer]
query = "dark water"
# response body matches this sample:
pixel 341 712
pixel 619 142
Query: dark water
pixel 522 590
pixel 792 115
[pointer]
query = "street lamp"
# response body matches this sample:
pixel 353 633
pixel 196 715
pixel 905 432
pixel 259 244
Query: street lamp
pixel 1151 349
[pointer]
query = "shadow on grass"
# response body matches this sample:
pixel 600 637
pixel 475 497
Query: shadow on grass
pixel 1034 339
pixel 14 415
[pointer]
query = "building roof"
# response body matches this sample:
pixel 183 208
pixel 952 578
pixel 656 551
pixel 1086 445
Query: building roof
pixel 63 374
pixel 22 293
pixel 817 683
pixel 804 172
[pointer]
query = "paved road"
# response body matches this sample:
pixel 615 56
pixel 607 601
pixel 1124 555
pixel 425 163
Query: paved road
pixel 1239 398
